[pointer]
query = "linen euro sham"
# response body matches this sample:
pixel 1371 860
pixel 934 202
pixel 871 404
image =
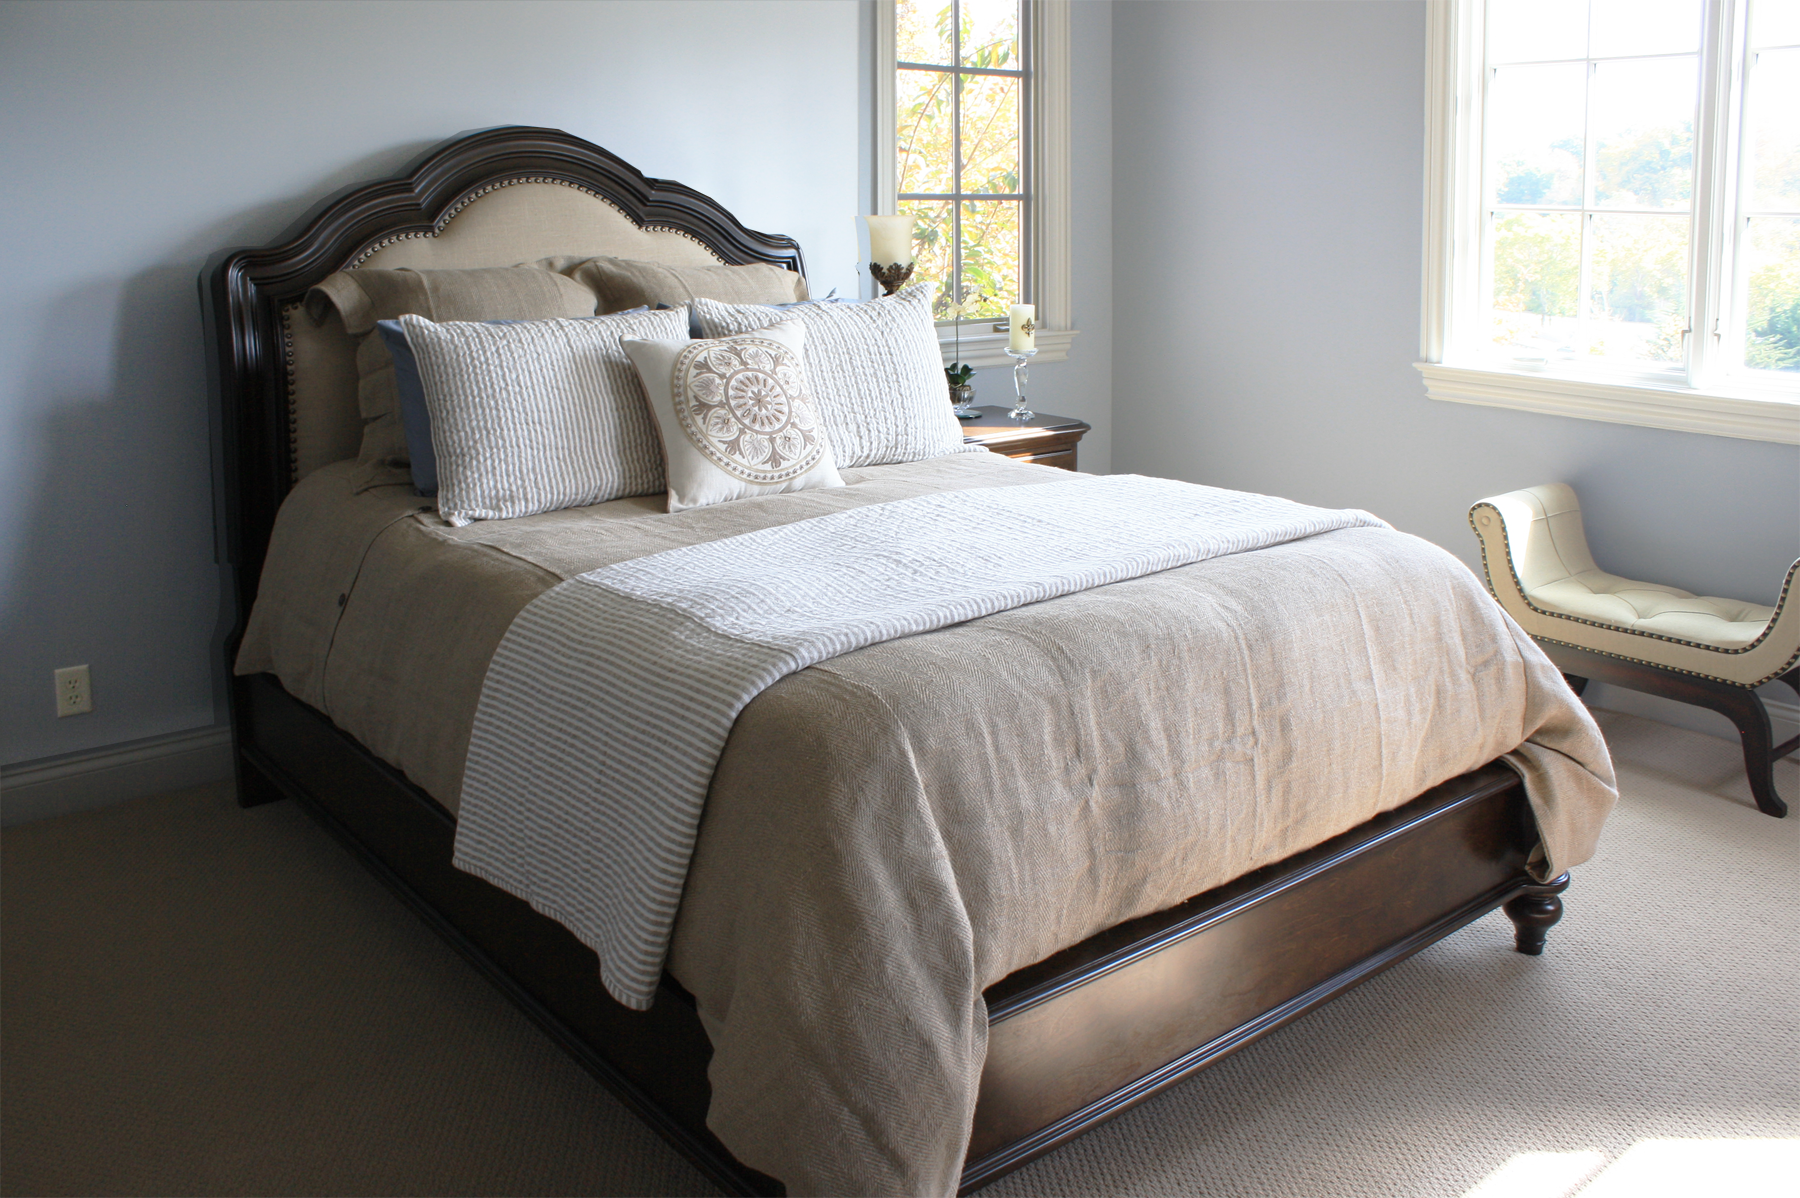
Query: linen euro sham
pixel 362 298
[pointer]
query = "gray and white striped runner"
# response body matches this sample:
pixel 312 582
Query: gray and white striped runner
pixel 611 696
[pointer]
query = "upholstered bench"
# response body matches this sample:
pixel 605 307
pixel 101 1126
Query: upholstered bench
pixel 1695 648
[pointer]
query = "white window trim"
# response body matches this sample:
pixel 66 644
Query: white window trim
pixel 1452 265
pixel 1052 252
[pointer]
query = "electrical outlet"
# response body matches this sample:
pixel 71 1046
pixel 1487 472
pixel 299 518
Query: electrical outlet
pixel 74 692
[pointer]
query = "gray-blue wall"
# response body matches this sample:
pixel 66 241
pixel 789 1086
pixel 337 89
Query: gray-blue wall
pixel 1268 212
pixel 1247 184
pixel 139 138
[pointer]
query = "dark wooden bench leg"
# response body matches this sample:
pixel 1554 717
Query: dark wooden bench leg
pixel 1534 911
pixel 1576 682
pixel 1745 709
pixel 1739 704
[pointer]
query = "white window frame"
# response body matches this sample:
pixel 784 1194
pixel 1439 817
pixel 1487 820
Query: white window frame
pixel 1050 246
pixel 1710 402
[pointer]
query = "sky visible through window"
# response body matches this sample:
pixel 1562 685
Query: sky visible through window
pixel 959 101
pixel 1589 169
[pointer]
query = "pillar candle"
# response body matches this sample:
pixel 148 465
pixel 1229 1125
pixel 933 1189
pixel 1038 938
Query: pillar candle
pixel 1022 330
pixel 890 240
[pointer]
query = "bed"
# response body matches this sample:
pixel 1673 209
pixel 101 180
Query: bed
pixel 1071 1031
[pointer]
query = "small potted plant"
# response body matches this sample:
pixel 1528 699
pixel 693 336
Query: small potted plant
pixel 961 394
pixel 958 373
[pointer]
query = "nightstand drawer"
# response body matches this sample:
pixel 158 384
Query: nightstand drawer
pixel 1062 459
pixel 1045 440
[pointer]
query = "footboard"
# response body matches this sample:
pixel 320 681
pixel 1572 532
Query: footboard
pixel 1080 1037
pixel 1074 1040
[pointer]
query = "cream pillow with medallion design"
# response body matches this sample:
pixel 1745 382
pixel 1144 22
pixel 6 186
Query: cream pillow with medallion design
pixel 735 416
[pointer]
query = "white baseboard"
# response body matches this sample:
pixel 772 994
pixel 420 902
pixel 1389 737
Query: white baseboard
pixel 1784 713
pixel 100 777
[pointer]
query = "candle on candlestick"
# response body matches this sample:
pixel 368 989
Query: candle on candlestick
pixel 1021 336
pixel 890 251
pixel 890 240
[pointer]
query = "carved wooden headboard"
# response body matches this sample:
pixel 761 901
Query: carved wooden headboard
pixel 284 392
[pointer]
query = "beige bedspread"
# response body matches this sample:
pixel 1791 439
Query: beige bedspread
pixel 892 831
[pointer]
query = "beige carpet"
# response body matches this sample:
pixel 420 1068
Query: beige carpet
pixel 197 999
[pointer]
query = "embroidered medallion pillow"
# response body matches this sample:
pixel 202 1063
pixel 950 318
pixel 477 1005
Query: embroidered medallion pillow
pixel 538 415
pixel 874 369
pixel 736 416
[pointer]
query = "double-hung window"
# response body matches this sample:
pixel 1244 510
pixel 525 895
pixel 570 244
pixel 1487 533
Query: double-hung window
pixel 1613 211
pixel 972 133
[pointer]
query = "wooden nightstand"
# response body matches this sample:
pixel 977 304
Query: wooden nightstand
pixel 1046 440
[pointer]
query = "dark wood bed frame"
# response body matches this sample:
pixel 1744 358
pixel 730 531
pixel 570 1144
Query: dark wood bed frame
pixel 1074 1039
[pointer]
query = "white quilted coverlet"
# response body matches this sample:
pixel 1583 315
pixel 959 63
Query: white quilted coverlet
pixel 610 699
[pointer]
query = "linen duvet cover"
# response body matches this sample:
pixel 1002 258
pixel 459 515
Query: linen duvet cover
pixel 892 830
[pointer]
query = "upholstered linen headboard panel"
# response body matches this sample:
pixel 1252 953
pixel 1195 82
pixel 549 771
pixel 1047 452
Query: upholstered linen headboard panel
pixel 499 224
pixel 284 390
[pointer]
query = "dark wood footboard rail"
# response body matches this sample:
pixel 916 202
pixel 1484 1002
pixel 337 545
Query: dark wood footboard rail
pixel 1098 1028
pixel 1074 1040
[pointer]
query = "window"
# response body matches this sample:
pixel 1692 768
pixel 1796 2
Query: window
pixel 1613 224
pixel 960 97
pixel 972 122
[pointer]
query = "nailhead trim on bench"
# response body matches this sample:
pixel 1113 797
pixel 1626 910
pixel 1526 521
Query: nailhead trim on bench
pixel 1488 573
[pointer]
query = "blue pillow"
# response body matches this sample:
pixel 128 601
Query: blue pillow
pixel 415 417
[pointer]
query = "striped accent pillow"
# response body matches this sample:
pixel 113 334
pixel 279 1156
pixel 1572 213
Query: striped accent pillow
pixel 874 370
pixel 539 415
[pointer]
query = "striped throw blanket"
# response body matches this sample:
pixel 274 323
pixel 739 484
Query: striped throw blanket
pixel 610 699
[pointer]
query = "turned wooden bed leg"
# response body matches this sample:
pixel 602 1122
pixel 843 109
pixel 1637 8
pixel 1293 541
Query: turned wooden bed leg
pixel 1534 911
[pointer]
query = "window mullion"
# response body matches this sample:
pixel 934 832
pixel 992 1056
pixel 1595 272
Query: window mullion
pixel 956 156
pixel 1462 262
pixel 1584 286
pixel 1715 216
pixel 1028 169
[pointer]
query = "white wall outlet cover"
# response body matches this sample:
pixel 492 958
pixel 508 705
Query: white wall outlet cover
pixel 74 691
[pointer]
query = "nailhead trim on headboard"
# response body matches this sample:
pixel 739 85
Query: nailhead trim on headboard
pixel 253 296
pixel 288 313
pixel 450 213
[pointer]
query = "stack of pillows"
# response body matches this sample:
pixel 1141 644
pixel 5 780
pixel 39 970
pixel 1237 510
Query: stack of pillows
pixel 510 391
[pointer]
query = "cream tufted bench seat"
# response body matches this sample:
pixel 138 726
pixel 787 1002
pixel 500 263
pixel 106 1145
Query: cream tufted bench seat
pixel 1695 648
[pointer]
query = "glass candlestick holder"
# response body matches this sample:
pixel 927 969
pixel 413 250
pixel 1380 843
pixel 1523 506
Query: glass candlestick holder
pixel 1021 362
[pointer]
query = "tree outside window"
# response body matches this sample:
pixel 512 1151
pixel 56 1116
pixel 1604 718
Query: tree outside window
pixel 960 99
pixel 1589 175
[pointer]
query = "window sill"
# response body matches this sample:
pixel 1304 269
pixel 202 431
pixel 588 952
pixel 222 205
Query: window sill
pixel 989 349
pixel 1721 414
